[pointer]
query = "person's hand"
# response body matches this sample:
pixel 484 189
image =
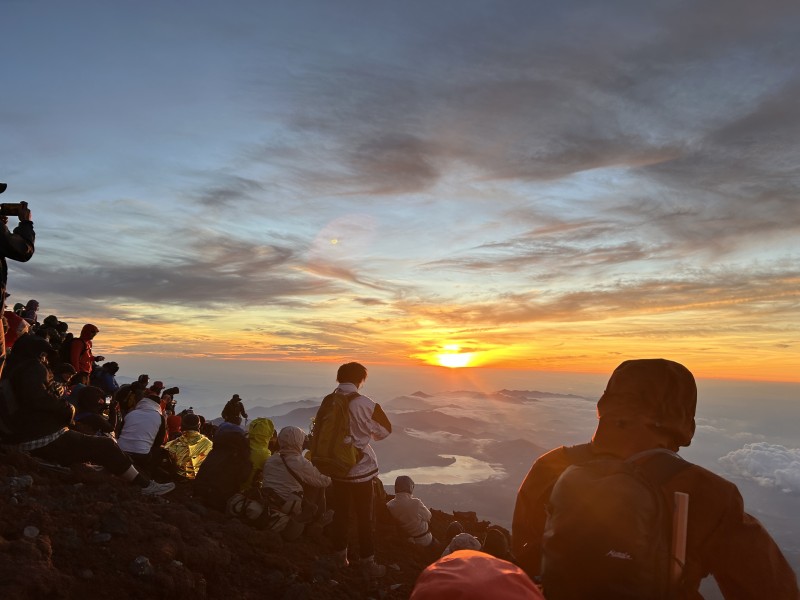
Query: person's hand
pixel 24 212
pixel 99 358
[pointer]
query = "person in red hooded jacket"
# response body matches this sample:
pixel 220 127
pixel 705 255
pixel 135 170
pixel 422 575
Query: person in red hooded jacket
pixel 80 352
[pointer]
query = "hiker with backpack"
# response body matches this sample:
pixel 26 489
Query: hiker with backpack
pixel 294 485
pixel 80 350
pixel 234 410
pixel 344 426
pixel 625 517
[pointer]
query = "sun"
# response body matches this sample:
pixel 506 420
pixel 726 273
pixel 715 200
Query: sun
pixel 454 359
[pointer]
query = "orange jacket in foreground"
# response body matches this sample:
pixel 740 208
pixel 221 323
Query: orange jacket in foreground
pixel 723 540
pixel 473 575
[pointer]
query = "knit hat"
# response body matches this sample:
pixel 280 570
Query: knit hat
pixel 471 575
pixel 655 387
pixel 404 483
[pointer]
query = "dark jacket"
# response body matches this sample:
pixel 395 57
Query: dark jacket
pixel 16 246
pixel 723 541
pixel 41 411
pixel 225 469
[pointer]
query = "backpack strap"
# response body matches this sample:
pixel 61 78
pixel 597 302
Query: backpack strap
pixel 291 472
pixel 658 465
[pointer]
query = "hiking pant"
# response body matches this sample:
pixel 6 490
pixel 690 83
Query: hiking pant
pixel 342 496
pixel 74 447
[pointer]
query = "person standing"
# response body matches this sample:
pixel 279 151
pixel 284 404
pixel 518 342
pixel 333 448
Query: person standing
pixel 368 422
pixel 80 352
pixel 18 246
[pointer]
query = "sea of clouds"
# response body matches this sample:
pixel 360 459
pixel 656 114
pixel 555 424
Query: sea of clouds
pixel 769 465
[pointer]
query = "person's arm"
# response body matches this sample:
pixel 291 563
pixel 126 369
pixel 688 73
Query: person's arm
pixel 746 561
pixel 309 473
pixel 423 511
pixel 19 245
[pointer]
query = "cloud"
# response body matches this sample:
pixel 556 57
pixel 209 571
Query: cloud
pixel 769 465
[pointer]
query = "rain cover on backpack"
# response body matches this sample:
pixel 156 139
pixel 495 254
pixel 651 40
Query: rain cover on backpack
pixel 331 448
pixel 608 529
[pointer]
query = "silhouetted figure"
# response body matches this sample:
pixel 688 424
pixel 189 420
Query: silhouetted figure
pixel 650 404
pixel 16 246
pixel 233 409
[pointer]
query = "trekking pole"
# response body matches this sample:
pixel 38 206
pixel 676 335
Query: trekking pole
pixel 680 522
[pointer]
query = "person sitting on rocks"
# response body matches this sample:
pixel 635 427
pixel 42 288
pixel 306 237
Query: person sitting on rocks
pixel 90 402
pixel 105 378
pixel 35 418
pixel 292 484
pixel 260 432
pixel 143 433
pixel 410 513
pixel 188 451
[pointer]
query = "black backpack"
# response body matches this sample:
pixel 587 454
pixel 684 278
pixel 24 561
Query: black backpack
pixel 65 349
pixel 225 470
pixel 609 528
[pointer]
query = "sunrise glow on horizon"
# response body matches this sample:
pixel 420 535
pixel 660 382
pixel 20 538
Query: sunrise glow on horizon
pixel 419 186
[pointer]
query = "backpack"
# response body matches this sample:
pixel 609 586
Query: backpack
pixel 608 529
pixel 225 470
pixel 65 349
pixel 331 447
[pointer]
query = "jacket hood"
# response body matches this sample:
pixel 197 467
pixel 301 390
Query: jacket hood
pixel 659 388
pixel 87 330
pixel 473 575
pixel 290 440
pixel 260 431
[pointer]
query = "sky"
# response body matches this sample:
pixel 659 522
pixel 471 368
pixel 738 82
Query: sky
pixel 517 185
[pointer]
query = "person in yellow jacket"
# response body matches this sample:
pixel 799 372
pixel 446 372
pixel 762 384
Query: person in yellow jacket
pixel 188 451
pixel 260 432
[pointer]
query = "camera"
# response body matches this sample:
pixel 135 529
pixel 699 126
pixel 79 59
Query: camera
pixel 172 391
pixel 11 209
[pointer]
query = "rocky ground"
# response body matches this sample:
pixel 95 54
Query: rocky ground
pixel 78 533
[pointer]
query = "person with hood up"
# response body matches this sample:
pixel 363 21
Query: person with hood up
pixel 411 514
pixel 260 433
pixel 189 451
pixel 296 485
pixel 34 418
pixel 473 575
pixel 80 353
pixel 650 404
pixel 143 432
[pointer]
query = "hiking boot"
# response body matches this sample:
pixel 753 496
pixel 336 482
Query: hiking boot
pixel 371 569
pixel 157 489
pixel 340 559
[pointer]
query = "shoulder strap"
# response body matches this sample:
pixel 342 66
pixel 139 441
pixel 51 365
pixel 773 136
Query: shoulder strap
pixel 291 472
pixel 658 465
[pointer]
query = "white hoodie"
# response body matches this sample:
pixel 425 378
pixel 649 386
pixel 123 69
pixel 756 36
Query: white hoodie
pixel 140 427
pixel 412 516
pixel 277 476
pixel 367 422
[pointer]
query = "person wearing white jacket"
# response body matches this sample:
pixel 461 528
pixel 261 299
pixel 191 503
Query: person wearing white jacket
pixel 368 422
pixel 143 432
pixel 293 478
pixel 410 512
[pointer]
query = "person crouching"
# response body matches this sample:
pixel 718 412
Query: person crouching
pixel 293 485
pixel 411 514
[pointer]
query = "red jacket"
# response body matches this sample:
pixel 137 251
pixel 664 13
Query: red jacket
pixel 80 353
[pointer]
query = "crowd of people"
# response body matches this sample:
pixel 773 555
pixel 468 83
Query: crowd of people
pixel 61 402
